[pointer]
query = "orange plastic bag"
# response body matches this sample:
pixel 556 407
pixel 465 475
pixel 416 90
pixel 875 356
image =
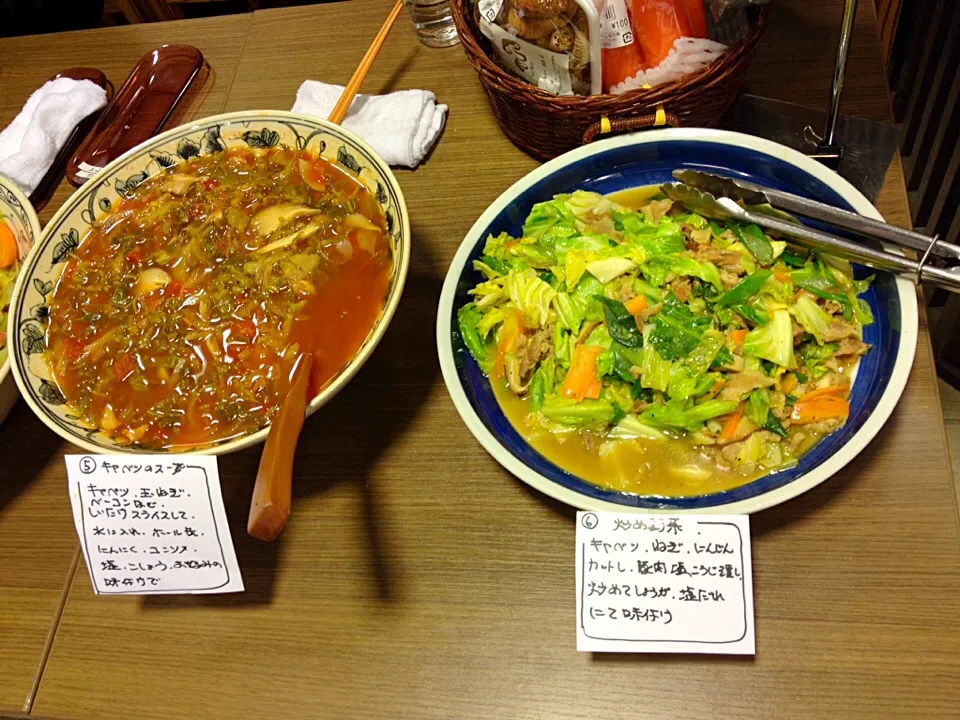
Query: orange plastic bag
pixel 621 63
pixel 658 24
pixel 622 56
pixel 695 13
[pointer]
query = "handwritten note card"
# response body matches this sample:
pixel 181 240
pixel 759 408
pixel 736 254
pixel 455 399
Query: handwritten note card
pixel 151 525
pixel 655 583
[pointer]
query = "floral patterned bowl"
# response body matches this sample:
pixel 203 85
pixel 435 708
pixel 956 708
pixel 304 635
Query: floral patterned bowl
pixel 20 216
pixel 261 129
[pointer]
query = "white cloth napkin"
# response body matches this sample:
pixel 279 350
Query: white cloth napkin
pixel 30 144
pixel 401 126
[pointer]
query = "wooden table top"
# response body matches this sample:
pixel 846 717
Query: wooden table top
pixel 37 541
pixel 416 578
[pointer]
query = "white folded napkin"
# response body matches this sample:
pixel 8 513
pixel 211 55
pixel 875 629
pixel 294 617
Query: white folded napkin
pixel 401 126
pixel 30 144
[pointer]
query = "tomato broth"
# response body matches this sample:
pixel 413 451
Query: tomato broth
pixel 178 320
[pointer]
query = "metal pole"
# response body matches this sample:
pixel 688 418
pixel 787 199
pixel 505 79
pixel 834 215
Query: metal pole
pixel 839 72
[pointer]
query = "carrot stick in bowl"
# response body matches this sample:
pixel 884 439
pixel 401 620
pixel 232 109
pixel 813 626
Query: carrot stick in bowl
pixel 637 305
pixel 821 408
pixel 833 391
pixel 581 381
pixel 8 246
pixel 732 423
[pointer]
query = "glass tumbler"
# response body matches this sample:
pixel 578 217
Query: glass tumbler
pixel 433 21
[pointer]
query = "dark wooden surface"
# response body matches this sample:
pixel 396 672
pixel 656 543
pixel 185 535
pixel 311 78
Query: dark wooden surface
pixel 417 579
pixel 888 17
pixel 37 541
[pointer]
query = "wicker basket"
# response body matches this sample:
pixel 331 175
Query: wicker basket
pixel 546 125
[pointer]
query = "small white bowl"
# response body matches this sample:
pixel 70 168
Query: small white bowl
pixel 260 128
pixel 22 219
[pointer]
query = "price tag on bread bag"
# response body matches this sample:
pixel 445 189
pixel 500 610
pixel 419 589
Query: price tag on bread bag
pixel 489 9
pixel 615 28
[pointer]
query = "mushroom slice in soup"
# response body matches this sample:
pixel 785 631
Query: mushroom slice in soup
pixel 270 219
pixel 178 183
pixel 306 231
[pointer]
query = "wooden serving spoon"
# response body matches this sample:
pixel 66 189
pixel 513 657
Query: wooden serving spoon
pixel 273 492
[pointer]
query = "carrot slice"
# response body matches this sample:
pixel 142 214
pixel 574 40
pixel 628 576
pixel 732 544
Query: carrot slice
pixel 637 305
pixel 839 391
pixel 594 388
pixel 823 408
pixel 783 277
pixel 8 246
pixel 733 421
pixel 581 380
pixel 738 336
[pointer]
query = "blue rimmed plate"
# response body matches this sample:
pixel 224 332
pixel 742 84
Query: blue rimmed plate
pixel 649 159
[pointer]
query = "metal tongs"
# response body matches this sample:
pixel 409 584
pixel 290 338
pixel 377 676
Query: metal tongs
pixel 722 198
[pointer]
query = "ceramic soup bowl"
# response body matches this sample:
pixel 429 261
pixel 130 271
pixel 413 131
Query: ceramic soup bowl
pixel 259 129
pixel 20 217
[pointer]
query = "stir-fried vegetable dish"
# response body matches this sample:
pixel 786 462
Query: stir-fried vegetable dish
pixel 178 320
pixel 9 267
pixel 649 350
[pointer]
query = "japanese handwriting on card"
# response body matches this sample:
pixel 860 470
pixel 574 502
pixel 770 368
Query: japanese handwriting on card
pixel 656 583
pixel 152 525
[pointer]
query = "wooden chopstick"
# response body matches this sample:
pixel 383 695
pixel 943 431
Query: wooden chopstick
pixel 339 111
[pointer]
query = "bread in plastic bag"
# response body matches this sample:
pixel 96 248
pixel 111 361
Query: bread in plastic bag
pixel 553 44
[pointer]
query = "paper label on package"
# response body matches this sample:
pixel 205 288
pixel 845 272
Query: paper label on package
pixel 489 9
pixel 660 583
pixel 152 525
pixel 547 70
pixel 615 29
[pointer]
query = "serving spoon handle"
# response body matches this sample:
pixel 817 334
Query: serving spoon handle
pixel 273 491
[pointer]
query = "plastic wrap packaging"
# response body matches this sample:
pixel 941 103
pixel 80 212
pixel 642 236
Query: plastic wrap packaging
pixel 622 57
pixel 720 7
pixel 731 18
pixel 553 44
pixel 731 26
pixel 658 24
pixel 668 39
